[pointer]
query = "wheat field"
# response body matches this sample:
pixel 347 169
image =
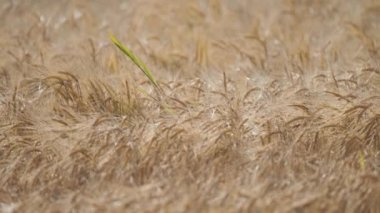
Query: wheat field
pixel 256 106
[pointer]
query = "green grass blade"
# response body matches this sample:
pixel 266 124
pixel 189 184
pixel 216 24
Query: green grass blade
pixel 139 63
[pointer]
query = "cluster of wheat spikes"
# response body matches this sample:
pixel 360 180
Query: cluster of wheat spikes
pixel 260 106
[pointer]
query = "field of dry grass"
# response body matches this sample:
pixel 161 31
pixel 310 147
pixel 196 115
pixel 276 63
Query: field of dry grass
pixel 263 106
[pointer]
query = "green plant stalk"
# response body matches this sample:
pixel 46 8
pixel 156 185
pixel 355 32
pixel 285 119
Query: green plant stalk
pixel 136 60
pixel 142 66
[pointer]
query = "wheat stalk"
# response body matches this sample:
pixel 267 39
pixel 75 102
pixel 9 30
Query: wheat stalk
pixel 136 60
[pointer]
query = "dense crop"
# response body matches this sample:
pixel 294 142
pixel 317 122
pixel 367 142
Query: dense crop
pixel 247 106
